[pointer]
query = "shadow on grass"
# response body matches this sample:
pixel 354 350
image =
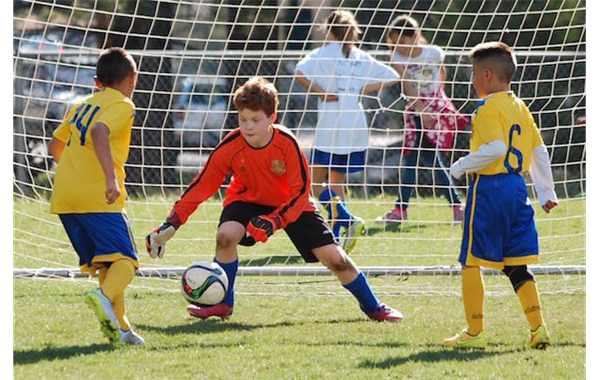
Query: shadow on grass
pixel 433 353
pixel 49 353
pixel 433 356
pixel 371 231
pixel 216 326
pixel 273 260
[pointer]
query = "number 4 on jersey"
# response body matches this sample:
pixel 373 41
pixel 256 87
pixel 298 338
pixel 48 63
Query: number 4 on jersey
pixel 78 120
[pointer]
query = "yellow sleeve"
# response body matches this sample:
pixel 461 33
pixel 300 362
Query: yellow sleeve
pixel 487 124
pixel 62 132
pixel 117 116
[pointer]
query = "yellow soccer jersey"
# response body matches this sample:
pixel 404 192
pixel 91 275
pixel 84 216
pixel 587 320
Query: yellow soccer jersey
pixel 79 183
pixel 503 116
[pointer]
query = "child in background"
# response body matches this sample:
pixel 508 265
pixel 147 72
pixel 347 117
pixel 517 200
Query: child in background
pixel 430 119
pixel 91 147
pixel 499 230
pixel 339 73
pixel 269 191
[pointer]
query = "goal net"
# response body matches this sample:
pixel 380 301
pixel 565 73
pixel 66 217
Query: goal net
pixel 192 55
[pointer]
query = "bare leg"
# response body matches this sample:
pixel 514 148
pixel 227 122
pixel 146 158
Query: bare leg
pixel 229 235
pixel 337 261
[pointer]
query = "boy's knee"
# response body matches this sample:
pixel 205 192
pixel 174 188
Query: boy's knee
pixel 225 239
pixel 338 262
pixel 518 275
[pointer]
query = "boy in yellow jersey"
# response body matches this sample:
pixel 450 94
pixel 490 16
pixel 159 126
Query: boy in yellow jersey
pixel 91 146
pixel 499 231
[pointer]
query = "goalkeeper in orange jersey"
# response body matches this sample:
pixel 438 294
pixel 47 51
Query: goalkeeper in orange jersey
pixel 91 146
pixel 499 229
pixel 269 191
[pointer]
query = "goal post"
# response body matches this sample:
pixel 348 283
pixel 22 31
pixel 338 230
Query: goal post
pixel 192 55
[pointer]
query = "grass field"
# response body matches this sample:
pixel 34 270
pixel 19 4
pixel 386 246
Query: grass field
pixel 297 328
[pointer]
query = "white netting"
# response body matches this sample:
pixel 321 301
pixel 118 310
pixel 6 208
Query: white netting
pixel 192 55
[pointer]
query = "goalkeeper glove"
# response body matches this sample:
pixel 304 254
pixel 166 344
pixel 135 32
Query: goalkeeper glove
pixel 157 239
pixel 262 227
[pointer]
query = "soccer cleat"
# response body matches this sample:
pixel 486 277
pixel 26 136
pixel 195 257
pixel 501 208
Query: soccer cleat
pixel 103 309
pixel 351 233
pixel 466 340
pixel 540 339
pixel 221 310
pixel 131 337
pixel 396 216
pixel 384 313
pixel 459 213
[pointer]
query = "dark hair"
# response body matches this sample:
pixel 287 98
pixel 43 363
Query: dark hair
pixel 343 27
pixel 114 65
pixel 257 94
pixel 404 25
pixel 498 57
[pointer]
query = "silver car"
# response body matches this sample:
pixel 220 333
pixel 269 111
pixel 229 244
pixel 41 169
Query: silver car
pixel 201 110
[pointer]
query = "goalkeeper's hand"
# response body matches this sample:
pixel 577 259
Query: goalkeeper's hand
pixel 262 227
pixel 157 239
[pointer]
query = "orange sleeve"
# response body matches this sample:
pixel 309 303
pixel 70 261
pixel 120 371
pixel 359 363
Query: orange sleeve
pixel 299 182
pixel 206 183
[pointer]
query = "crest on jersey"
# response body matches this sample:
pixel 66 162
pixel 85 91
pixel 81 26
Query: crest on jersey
pixel 278 167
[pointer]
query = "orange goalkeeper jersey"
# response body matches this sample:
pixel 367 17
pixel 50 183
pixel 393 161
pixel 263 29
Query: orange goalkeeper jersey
pixel 276 175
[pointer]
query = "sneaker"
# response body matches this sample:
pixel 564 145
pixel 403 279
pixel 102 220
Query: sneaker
pixel 131 337
pixel 221 310
pixel 459 214
pixel 466 340
pixel 351 234
pixel 540 339
pixel 103 309
pixel 384 313
pixel 396 216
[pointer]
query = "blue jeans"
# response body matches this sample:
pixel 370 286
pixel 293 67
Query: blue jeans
pixel 429 157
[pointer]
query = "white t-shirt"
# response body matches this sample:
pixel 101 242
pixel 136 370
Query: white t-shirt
pixel 424 69
pixel 342 126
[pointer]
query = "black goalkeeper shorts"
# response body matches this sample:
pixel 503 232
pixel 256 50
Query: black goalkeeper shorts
pixel 309 231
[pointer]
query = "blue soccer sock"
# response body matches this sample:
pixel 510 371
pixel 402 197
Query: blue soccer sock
pixel 336 210
pixel 361 290
pixel 231 271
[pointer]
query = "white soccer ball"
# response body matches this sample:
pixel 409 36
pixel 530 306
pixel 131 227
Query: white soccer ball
pixel 204 283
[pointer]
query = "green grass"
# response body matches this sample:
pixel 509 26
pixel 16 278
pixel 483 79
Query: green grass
pixel 277 337
pixel 296 328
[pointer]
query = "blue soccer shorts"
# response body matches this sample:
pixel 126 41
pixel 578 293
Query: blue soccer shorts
pixel 343 163
pixel 100 239
pixel 498 227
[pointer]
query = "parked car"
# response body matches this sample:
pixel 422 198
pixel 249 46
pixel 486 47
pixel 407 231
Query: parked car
pixel 200 111
pixel 37 43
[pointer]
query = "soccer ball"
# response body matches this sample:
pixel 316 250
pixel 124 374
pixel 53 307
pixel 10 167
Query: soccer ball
pixel 204 283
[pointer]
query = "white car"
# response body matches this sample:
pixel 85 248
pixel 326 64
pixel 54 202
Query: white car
pixel 201 111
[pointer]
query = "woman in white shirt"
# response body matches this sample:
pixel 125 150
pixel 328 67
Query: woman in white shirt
pixel 339 73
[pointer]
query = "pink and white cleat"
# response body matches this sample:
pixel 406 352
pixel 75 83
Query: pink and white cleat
pixel 458 213
pixel 384 313
pixel 220 310
pixel 396 216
